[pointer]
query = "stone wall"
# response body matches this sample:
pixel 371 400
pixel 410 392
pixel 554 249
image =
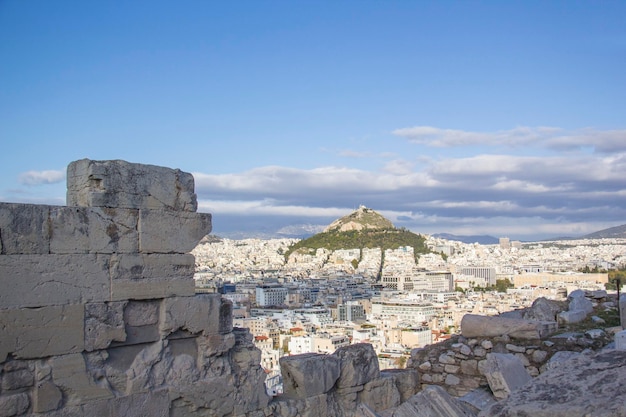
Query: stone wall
pixel 98 312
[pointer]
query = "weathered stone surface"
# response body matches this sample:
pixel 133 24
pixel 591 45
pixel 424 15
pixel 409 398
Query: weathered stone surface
pixel 380 394
pixel 573 316
pixel 152 404
pixel 14 405
pixel 16 375
pixel 69 373
pixel 46 397
pixel 149 368
pixel 543 309
pixel 309 374
pixel 359 364
pixel 136 277
pixel 505 373
pixel 141 320
pixel 620 340
pixel 129 185
pixel 473 325
pixel 479 399
pixel 432 401
pixel 406 380
pixel 41 332
pixel 622 310
pixel 560 357
pixel 45 280
pixel 24 229
pixel 589 385
pixel 104 323
pixel 200 313
pixel 580 304
pixel 167 231
pixel 93 230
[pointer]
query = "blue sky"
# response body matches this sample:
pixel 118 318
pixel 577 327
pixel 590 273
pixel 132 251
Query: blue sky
pixel 505 118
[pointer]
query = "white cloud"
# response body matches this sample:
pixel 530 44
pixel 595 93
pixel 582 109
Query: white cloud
pixel 589 139
pixel 41 177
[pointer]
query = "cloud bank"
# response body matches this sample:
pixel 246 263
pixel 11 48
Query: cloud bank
pixel 542 182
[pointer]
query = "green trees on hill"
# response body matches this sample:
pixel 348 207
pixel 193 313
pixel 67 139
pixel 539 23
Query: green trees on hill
pixel 380 238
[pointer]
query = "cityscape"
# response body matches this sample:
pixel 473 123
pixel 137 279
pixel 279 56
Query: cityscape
pixel 394 300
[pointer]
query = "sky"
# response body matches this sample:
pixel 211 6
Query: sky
pixel 501 118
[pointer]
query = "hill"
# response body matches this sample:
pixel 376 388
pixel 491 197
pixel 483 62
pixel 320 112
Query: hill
pixel 611 232
pixel 363 228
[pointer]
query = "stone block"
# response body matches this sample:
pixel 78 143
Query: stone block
pixel 473 325
pixel 153 266
pixel 129 185
pixel 572 316
pixel 406 380
pixel 309 374
pixel 432 401
pixel 41 332
pixel 505 373
pixel 359 365
pixel 148 404
pixel 14 404
pixel 141 320
pixel 46 397
pixel 129 289
pixel 380 394
pixel 136 277
pixel 168 231
pixel 622 310
pixel 15 379
pixel 93 230
pixel 197 314
pixel 70 374
pixel 104 323
pixel 620 340
pixel 24 229
pixel 44 280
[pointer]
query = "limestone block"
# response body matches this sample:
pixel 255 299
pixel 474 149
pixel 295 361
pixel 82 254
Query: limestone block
pixel 620 340
pixel 200 313
pixel 148 404
pixel 46 397
pixel 587 385
pixel 14 379
pixel 359 365
pixel 24 229
pixel 543 309
pixel 226 316
pixel 93 230
pixel 136 277
pixel 473 325
pixel 559 357
pixel 14 404
pixel 309 374
pixel 104 323
pixel 505 373
pixel 149 368
pixel 406 380
pixel 141 320
pixel 432 401
pixel 70 374
pixel 573 316
pixel 582 304
pixel 128 185
pixel 213 397
pixel 41 332
pixel 622 310
pixel 45 280
pixel 380 394
pixel 169 231
pixel 479 399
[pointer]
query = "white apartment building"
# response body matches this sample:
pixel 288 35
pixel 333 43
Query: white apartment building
pixel 271 295
pixel 403 310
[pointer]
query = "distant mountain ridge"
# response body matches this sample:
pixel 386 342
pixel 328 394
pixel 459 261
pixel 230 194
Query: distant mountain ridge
pixel 482 239
pixel 611 232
